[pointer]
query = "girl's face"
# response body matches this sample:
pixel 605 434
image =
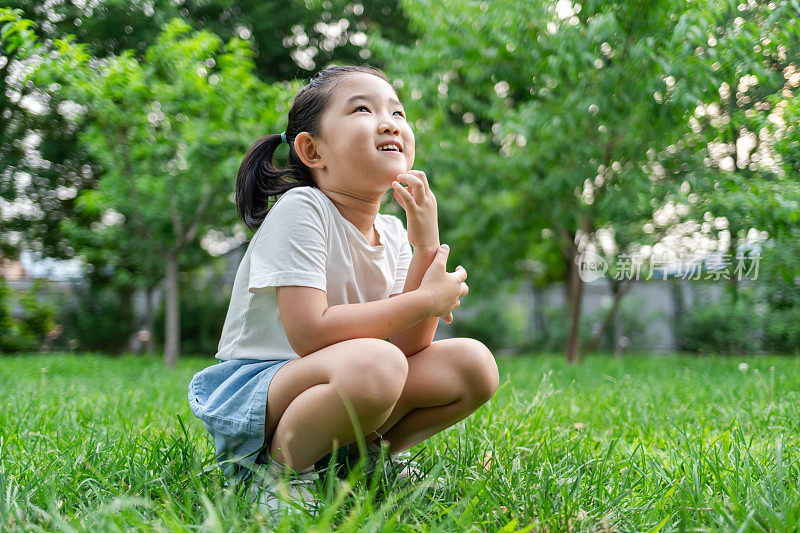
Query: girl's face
pixel 362 115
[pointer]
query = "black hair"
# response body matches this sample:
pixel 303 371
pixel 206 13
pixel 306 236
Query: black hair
pixel 259 179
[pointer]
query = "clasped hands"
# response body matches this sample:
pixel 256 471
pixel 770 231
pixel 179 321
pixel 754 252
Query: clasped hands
pixel 418 201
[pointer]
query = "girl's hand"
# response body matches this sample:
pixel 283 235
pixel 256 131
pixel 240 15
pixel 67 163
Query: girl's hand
pixel 444 288
pixel 419 203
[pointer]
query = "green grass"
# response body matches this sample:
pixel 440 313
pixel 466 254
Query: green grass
pixel 644 443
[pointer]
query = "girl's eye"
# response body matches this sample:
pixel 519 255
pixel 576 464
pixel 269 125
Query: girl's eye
pixel 365 107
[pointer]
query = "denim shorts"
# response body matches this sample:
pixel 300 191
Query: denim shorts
pixel 231 400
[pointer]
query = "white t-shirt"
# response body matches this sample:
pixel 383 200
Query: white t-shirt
pixel 306 241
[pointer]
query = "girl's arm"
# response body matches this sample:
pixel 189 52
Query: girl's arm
pixel 419 203
pixel 311 325
pixel 420 335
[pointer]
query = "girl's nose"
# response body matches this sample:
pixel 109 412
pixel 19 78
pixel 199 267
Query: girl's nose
pixel 388 127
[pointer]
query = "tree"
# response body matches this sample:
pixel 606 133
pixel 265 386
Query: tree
pixel 42 170
pixel 290 37
pixel 723 172
pixel 169 134
pixel 544 113
pixel 45 168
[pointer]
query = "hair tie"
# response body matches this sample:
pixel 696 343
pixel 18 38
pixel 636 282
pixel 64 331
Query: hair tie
pixel 283 138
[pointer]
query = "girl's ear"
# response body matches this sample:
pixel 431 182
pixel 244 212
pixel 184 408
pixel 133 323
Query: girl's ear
pixel 306 149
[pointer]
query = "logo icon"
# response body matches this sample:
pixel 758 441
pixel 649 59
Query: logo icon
pixel 591 266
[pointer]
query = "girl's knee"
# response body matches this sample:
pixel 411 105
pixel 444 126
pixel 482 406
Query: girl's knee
pixel 480 368
pixel 373 374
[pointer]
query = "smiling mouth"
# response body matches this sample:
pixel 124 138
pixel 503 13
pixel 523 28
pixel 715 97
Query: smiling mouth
pixel 390 146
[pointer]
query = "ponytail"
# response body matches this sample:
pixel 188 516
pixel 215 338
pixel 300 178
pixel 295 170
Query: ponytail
pixel 259 179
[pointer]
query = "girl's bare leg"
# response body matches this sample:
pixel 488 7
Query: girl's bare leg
pixel 446 382
pixel 306 413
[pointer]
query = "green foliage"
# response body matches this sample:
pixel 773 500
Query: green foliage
pixel 60 169
pixel 540 124
pixel 27 333
pixel 780 272
pixel 169 131
pixel 782 331
pixel 780 279
pixel 15 32
pixel 523 126
pixel 277 30
pixel 38 319
pixel 620 118
pixel 279 33
pixel 722 327
pixel 788 144
pixel 497 321
pixel 95 319
pixel 730 63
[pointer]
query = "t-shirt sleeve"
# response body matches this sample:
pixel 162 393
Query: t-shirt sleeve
pixel 404 258
pixel 290 248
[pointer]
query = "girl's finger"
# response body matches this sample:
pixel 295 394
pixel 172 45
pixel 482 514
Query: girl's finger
pixel 448 318
pixel 415 185
pixel 464 289
pixel 458 304
pixel 397 197
pixel 423 178
pixel 404 194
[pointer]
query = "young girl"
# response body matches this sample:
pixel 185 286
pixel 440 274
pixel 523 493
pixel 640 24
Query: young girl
pixel 325 281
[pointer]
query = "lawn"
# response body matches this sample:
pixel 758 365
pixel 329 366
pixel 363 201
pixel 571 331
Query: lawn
pixel 643 443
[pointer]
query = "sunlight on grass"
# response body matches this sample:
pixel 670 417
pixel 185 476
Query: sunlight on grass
pixel 645 443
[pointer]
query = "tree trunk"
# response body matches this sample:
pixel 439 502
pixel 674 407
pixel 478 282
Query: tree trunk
pixel 616 331
pixel 733 282
pixel 575 296
pixel 567 281
pixel 172 322
pixel 149 321
pixel 679 309
pixel 538 309
pixel 128 316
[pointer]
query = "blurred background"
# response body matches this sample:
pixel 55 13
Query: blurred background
pixel 615 176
